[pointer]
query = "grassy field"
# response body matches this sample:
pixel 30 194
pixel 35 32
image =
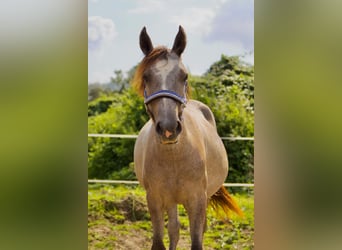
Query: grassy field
pixel 118 219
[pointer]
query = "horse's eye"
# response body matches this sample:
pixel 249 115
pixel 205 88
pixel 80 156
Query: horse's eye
pixel 145 77
pixel 186 77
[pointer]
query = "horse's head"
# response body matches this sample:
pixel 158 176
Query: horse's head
pixel 163 82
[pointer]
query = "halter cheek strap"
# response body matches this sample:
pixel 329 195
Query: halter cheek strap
pixel 165 93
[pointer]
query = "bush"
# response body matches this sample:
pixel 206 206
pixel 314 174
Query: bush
pixel 108 157
pixel 228 89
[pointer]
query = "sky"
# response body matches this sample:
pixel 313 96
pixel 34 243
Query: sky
pixel 213 28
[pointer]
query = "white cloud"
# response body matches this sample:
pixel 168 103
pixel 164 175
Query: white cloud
pixel 235 24
pixel 195 20
pixel 147 6
pixel 101 32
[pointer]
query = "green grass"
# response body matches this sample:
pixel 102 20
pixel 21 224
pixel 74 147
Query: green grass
pixel 118 219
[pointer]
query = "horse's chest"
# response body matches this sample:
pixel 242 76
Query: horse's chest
pixel 175 166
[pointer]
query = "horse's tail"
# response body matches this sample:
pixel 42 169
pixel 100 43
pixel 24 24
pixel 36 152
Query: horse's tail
pixel 222 199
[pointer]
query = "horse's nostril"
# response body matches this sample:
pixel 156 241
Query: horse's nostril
pixel 159 129
pixel 179 127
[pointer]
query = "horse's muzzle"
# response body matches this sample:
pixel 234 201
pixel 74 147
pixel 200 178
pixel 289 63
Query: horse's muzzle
pixel 168 131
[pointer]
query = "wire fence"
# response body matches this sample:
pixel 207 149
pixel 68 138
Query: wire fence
pixel 123 136
pixel 136 183
pixel 238 138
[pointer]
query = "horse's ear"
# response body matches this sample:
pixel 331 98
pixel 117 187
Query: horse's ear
pixel 145 42
pixel 180 42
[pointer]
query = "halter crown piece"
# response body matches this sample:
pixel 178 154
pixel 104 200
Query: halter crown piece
pixel 166 93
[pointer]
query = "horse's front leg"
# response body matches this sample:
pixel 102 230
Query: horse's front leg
pixel 173 226
pixel 196 208
pixel 157 217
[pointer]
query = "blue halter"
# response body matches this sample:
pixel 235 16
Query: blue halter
pixel 165 93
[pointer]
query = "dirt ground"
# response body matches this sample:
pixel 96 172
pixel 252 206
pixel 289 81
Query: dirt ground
pixel 119 219
pixel 134 240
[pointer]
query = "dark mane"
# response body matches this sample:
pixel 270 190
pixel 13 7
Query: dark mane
pixel 156 53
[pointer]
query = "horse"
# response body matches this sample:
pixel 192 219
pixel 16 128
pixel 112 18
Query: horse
pixel 179 157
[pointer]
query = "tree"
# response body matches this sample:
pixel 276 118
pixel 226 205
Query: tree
pixel 228 89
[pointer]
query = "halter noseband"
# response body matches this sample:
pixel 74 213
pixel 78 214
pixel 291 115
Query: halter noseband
pixel 165 93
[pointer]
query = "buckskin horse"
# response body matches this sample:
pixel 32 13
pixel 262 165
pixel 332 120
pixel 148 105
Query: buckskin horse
pixel 179 158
